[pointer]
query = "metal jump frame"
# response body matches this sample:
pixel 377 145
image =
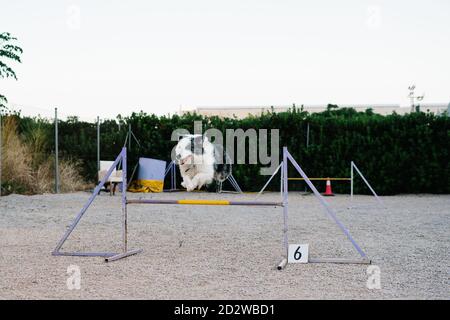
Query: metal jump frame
pixel 172 168
pixel 110 256
pixel 351 179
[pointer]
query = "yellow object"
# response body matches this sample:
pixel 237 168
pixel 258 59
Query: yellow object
pixel 206 202
pixel 146 186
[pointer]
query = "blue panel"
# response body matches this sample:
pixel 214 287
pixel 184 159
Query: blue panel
pixel 151 169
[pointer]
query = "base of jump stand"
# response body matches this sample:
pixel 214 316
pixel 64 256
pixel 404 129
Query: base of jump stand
pixel 123 255
pixel 282 264
pixel 340 260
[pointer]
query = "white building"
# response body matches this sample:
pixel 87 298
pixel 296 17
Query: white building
pixel 244 111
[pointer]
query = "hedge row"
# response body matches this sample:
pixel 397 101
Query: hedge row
pixel 397 154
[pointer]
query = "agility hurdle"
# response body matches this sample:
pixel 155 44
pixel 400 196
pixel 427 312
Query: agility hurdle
pixel 113 256
pixel 351 179
pixel 207 202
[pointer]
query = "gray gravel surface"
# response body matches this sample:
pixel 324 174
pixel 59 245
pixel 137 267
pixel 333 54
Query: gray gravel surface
pixel 224 252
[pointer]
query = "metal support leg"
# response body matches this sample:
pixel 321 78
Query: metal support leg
pixel 86 206
pixel 174 176
pixel 351 181
pixel 109 256
pixel 327 208
pixel 284 174
pixel 124 203
pixel 270 179
pixel 234 183
pixel 123 255
pixel 368 185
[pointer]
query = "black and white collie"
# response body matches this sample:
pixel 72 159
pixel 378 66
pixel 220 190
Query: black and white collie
pixel 201 162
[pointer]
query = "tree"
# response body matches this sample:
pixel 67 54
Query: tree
pixel 11 52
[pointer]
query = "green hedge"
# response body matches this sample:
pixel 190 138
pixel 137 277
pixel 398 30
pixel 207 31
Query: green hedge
pixel 397 154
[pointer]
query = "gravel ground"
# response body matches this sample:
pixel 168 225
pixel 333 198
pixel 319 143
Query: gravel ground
pixel 209 252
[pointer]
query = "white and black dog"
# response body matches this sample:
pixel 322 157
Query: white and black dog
pixel 201 162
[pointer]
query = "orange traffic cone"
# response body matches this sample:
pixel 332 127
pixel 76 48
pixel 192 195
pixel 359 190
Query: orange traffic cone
pixel 328 191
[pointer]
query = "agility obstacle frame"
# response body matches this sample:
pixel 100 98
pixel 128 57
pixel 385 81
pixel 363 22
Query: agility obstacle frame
pixel 351 179
pixel 122 157
pixel 172 169
pixel 232 181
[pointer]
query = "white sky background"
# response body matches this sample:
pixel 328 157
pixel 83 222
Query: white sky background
pixel 124 56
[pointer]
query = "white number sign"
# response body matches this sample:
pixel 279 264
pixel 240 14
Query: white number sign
pixel 298 253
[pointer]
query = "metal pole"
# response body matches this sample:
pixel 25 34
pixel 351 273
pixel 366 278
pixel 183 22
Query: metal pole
pixel 56 153
pixel 171 176
pixel 270 179
pixel 98 144
pixel 285 201
pixel 351 181
pixel 307 145
pixel 124 199
pixel 284 176
pixel 368 184
pixel 307 135
pixel 234 183
pixel 281 180
pixel 206 202
pixel 174 175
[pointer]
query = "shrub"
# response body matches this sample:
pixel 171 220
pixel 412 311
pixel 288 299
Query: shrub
pixel 27 165
pixel 397 154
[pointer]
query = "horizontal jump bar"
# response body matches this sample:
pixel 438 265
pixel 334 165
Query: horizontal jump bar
pixel 84 254
pixel 323 179
pixel 207 202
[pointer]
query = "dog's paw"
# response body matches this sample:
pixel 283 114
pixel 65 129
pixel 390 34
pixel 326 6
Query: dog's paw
pixel 188 185
pixel 196 184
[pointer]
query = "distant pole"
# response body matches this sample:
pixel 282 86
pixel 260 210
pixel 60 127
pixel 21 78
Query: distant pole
pixel 412 97
pixel 56 153
pixel 307 145
pixel 307 135
pixel 351 181
pixel 98 143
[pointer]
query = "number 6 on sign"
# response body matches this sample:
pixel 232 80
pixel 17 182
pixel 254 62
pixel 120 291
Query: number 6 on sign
pixel 298 253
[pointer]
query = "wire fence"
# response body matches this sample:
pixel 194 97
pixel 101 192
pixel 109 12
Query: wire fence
pixel 55 116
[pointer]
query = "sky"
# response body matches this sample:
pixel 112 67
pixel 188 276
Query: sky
pixel 106 57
